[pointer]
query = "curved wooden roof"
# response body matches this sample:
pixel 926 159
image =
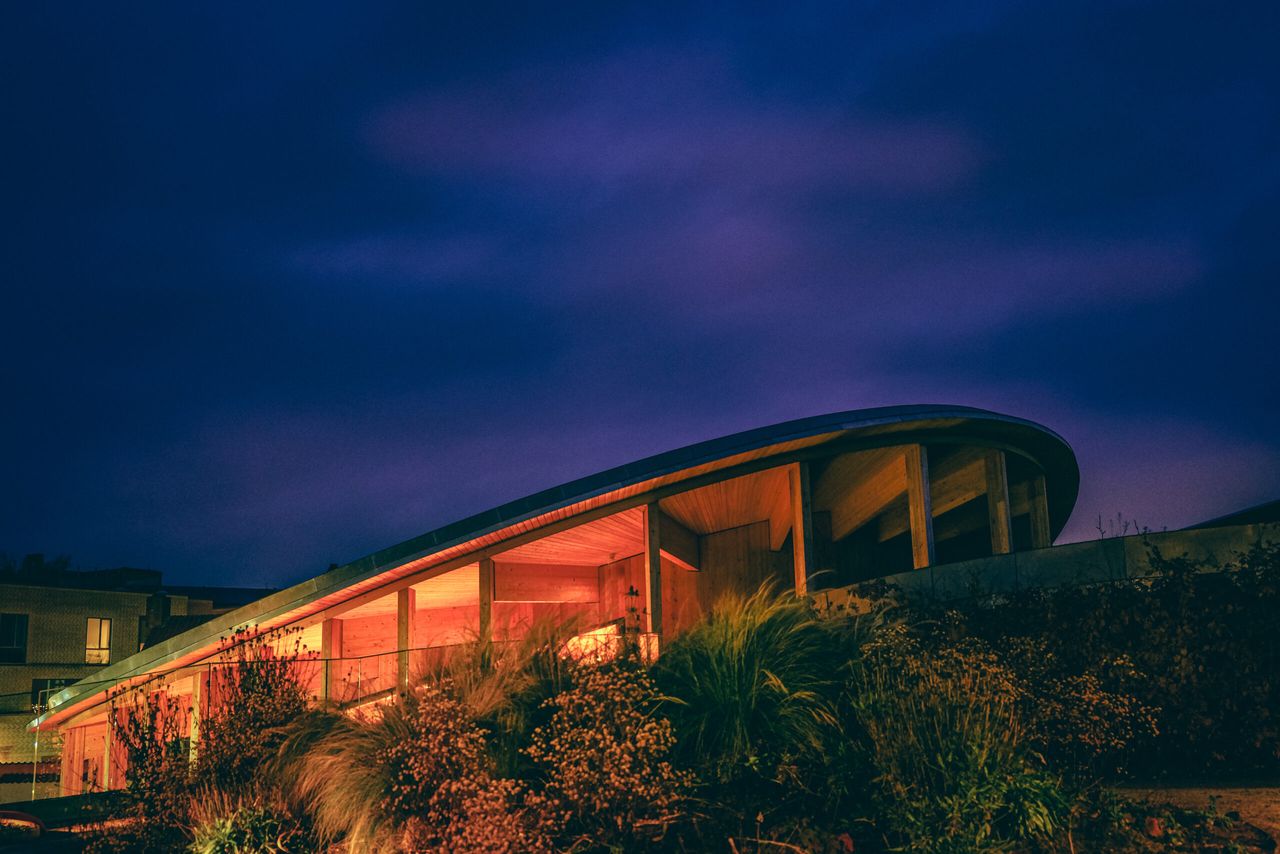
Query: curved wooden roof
pixel 596 495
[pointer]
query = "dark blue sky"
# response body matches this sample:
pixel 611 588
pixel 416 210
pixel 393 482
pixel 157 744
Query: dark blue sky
pixel 283 286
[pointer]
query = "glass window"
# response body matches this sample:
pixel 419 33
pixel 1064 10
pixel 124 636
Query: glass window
pixel 13 638
pixel 97 646
pixel 43 689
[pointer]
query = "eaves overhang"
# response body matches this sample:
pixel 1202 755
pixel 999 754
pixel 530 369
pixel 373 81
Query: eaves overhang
pixel 671 471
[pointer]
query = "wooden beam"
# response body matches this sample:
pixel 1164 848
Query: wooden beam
pixel 653 569
pixel 330 651
pixel 957 479
pixel 779 501
pixel 405 601
pixel 999 519
pixel 919 506
pixel 1039 500
pixel 857 486
pixel 954 482
pixel 801 525
pixel 679 544
pixel 486 599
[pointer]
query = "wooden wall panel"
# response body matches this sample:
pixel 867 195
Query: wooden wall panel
pixel 681 606
pixel 544 583
pixel 678 544
pixel 616 579
pixel 366 635
pixel 737 560
pixel 93 750
pixel 512 620
pixel 956 480
pixel 443 626
pixel 69 781
pixel 458 587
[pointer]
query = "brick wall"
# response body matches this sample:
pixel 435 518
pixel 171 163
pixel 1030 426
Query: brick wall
pixel 56 629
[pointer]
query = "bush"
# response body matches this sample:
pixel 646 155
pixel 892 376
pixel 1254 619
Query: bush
pixel 329 767
pixel 605 755
pixel 147 725
pixel 1188 653
pixel 754 684
pixel 443 786
pixel 255 690
pixel 222 824
pixel 946 740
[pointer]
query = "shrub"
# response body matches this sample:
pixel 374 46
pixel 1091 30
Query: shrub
pixel 946 740
pixel 605 754
pixel 505 686
pixel 755 693
pixel 329 766
pixel 255 690
pixel 443 786
pixel 148 727
pixel 753 684
pixel 223 824
pixel 1189 652
pixel 415 776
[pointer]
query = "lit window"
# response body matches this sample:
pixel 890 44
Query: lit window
pixel 97 646
pixel 13 638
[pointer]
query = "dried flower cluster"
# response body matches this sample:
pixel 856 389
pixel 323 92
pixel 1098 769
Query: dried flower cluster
pixel 605 753
pixel 443 786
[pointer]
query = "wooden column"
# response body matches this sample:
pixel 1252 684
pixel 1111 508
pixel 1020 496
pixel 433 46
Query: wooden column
pixel 331 652
pixel 486 599
pixel 1040 537
pixel 196 713
pixel 919 506
pixel 652 569
pixel 998 517
pixel 405 601
pixel 106 754
pixel 67 765
pixel 801 525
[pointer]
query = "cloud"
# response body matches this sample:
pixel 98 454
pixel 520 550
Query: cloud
pixel 662 122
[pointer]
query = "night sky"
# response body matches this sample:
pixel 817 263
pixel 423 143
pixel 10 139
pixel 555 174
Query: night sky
pixel 284 286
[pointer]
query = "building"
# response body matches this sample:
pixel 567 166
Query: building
pixel 810 504
pixel 942 499
pixel 60 626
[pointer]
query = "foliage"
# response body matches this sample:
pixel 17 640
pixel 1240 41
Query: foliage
pixel 255 689
pixel 753 683
pixel 443 786
pixel 368 779
pixel 505 686
pixel 755 692
pixel 223 824
pixel 147 726
pixel 1085 724
pixel 766 723
pixel 605 755
pixel 328 765
pixel 252 694
pixel 947 743
pixel 1188 653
